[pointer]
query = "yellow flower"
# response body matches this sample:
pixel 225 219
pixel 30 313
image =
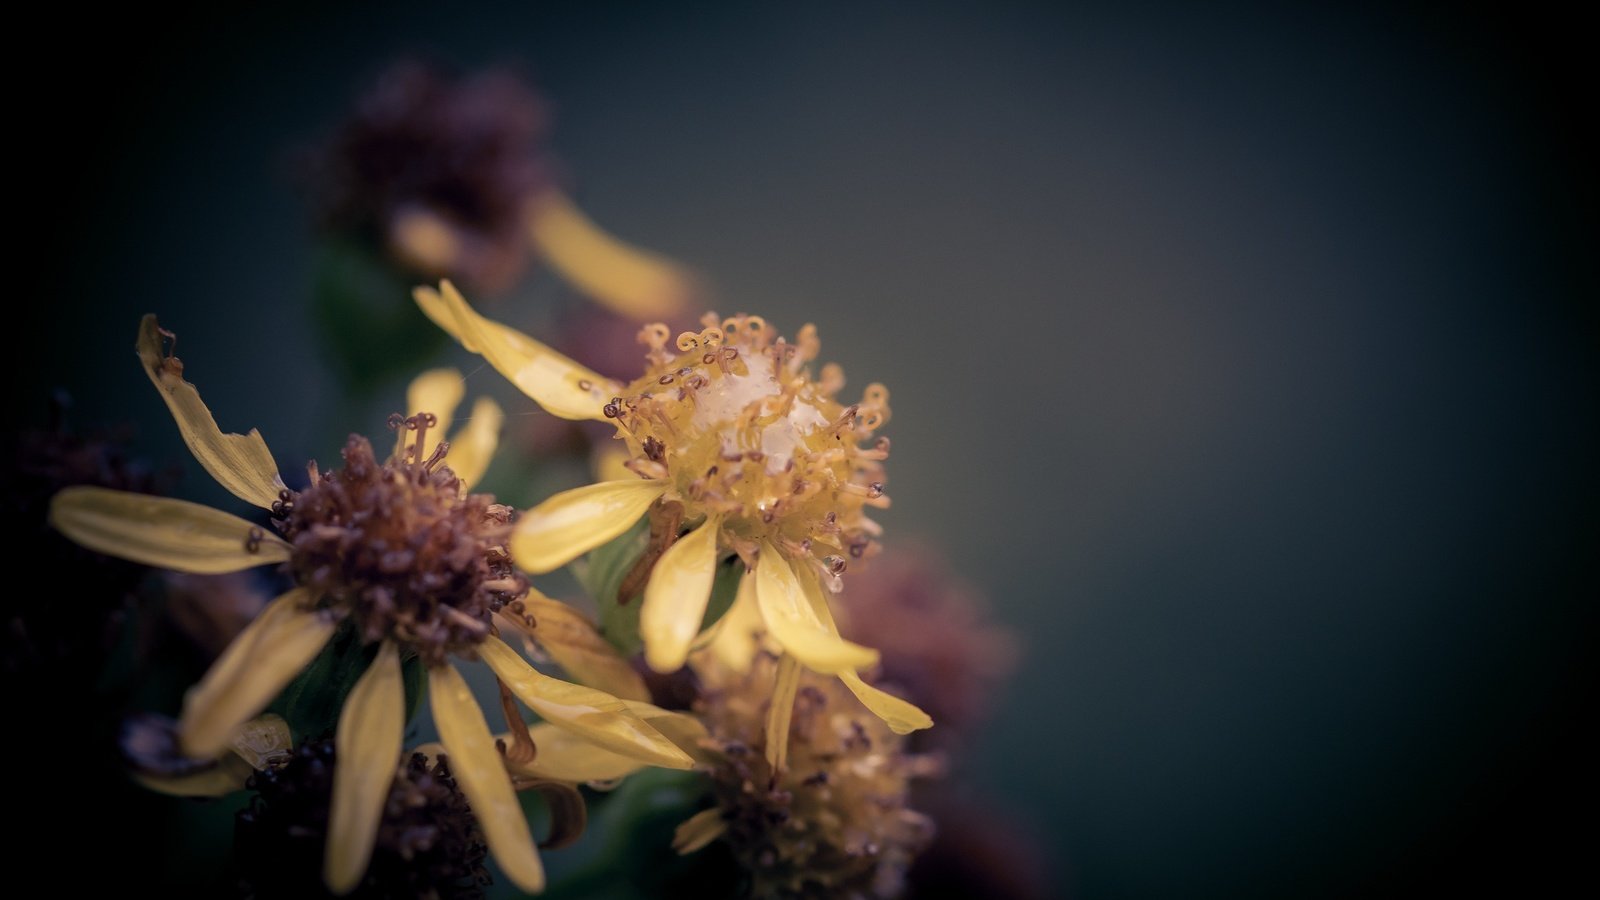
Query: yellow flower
pixel 739 450
pixel 400 551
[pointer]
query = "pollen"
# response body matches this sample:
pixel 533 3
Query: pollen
pixel 733 418
pixel 398 548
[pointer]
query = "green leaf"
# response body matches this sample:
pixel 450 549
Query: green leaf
pixel 366 317
pixel 311 703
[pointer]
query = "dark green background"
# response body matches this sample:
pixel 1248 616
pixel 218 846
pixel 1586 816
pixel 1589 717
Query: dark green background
pixel 1246 358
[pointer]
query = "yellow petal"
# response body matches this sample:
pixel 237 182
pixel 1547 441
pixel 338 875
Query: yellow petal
pixel 596 715
pixel 574 642
pixel 437 391
pixel 163 532
pixel 606 462
pixel 688 732
pixel 261 660
pixel 480 771
pixel 473 446
pixel 735 642
pixel 633 282
pixel 795 626
pixel 228 775
pixel 574 522
pixel 902 717
pixel 239 462
pixel 555 382
pixel 785 684
pixel 675 598
pixel 367 745
pixel 262 740
pixel 699 830
pixel 566 756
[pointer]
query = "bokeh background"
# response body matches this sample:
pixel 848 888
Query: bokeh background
pixel 1245 357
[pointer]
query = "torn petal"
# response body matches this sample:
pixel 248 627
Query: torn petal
pixel 574 522
pixel 675 598
pixel 256 666
pixel 795 626
pixel 480 772
pixel 239 462
pixel 596 715
pixel 163 532
pixel 555 382
pixel 473 446
pixel 367 744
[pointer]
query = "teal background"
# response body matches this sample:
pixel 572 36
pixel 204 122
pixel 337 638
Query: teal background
pixel 1246 358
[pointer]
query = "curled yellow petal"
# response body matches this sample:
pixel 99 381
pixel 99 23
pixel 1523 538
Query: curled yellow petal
pixel 780 712
pixel 473 446
pixel 228 775
pixel 601 718
pixel 902 716
pixel 239 462
pixel 793 624
pixel 574 522
pixel 567 756
pixel 261 660
pixel 574 642
pixel 736 639
pixel 555 382
pixel 675 598
pixel 367 744
pixel 699 830
pixel 688 732
pixel 638 284
pixel 479 770
pixel 437 391
pixel 163 532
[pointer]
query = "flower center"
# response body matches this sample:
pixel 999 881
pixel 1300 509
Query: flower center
pixel 399 549
pixel 736 422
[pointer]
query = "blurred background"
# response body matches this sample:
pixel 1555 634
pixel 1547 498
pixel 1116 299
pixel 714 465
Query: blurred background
pixel 1244 358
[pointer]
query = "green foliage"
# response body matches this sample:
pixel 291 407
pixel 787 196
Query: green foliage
pixel 312 702
pixel 366 317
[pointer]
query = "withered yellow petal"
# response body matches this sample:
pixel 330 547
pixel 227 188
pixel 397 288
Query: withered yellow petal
pixel 574 522
pixel 675 598
pixel 735 641
pixel 699 830
pixel 793 624
pixel 481 773
pixel 473 446
pixel 262 740
pixel 367 742
pixel 780 712
pixel 437 391
pixel 573 641
pixel 230 774
pixel 640 285
pixel 163 532
pixel 239 462
pixel 261 660
pixel 902 716
pixel 601 718
pixel 555 382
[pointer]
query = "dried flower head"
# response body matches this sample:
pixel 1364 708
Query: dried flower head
pixel 740 450
pixel 428 843
pixel 400 551
pixel 835 820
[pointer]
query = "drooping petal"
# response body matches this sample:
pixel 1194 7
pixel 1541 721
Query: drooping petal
pixel 230 774
pixel 640 285
pixel 902 716
pixel 367 745
pixel 574 642
pixel 699 830
pixel 256 666
pixel 162 532
pixel 675 598
pixel 555 382
pixel 595 715
pixel 688 732
pixel 574 522
pixel 780 712
pixel 795 626
pixel 437 391
pixel 479 770
pixel 567 756
pixel 735 642
pixel 473 446
pixel 239 462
